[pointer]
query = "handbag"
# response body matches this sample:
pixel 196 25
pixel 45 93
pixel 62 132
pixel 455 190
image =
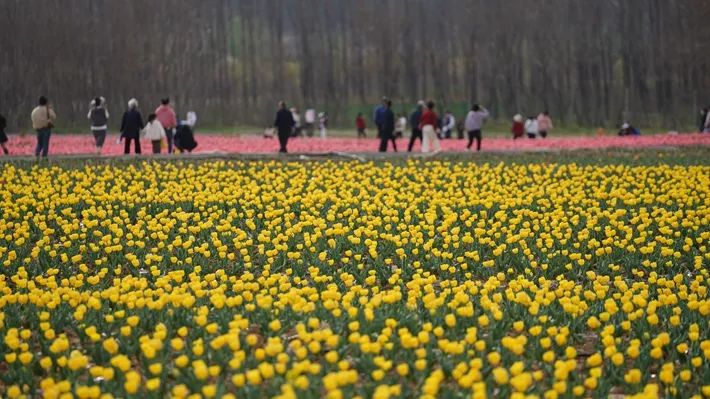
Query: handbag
pixel 50 125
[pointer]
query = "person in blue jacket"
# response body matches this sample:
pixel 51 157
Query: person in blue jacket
pixel 378 115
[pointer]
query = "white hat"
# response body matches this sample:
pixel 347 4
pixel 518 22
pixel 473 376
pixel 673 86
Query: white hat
pixel 132 103
pixel 625 126
pixel 518 118
pixel 191 119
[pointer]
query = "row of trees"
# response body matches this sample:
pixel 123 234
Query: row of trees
pixel 588 62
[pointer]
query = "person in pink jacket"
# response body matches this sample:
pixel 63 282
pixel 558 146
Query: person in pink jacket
pixel 544 124
pixel 167 117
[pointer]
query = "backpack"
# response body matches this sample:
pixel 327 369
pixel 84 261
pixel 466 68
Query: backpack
pixel 98 117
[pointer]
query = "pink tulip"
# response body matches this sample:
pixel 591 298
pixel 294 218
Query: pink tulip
pixel 211 143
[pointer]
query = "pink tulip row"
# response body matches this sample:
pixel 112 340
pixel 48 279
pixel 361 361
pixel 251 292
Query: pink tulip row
pixel 211 143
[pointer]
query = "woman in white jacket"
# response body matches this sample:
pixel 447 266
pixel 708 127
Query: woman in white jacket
pixel 154 132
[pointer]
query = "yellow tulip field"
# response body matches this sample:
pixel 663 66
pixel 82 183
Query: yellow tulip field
pixel 345 279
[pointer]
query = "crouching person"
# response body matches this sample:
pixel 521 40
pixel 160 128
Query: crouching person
pixel 185 134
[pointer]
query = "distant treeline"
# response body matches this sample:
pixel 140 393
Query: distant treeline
pixel 588 62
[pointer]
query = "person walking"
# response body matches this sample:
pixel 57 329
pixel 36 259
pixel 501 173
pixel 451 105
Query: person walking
pixel 474 125
pixel 707 121
pixel 387 128
pixel 98 115
pixel 3 135
pixel 168 119
pixel 131 126
pixel 284 125
pixel 43 118
pixel 360 126
pixel 155 132
pixel 378 115
pixel 414 123
pixel 428 123
pixel 544 123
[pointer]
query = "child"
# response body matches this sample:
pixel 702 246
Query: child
pixel 154 132
pixel 448 124
pixel 361 126
pixel 518 129
pixel 400 126
pixel 531 127
pixel 3 136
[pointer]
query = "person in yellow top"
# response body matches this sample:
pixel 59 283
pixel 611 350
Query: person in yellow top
pixel 43 118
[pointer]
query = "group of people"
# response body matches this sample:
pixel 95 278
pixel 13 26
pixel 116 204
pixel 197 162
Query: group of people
pixel 308 124
pixel 165 131
pixel 162 128
pixel 426 126
pixel 389 128
pixel 534 126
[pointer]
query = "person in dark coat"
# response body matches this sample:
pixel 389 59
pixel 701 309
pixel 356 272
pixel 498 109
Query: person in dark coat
pixel 284 124
pixel 703 119
pixel 387 128
pixel 3 136
pixel 185 138
pixel 414 123
pixel 98 115
pixel 185 133
pixel 131 126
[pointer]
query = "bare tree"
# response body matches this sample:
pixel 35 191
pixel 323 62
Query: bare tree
pixel 589 62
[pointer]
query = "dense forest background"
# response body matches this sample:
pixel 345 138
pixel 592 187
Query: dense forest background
pixel 589 62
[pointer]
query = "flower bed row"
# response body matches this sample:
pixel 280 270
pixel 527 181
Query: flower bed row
pixel 345 279
pixel 84 144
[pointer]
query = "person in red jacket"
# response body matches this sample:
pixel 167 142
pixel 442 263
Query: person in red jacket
pixel 518 128
pixel 361 126
pixel 428 123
